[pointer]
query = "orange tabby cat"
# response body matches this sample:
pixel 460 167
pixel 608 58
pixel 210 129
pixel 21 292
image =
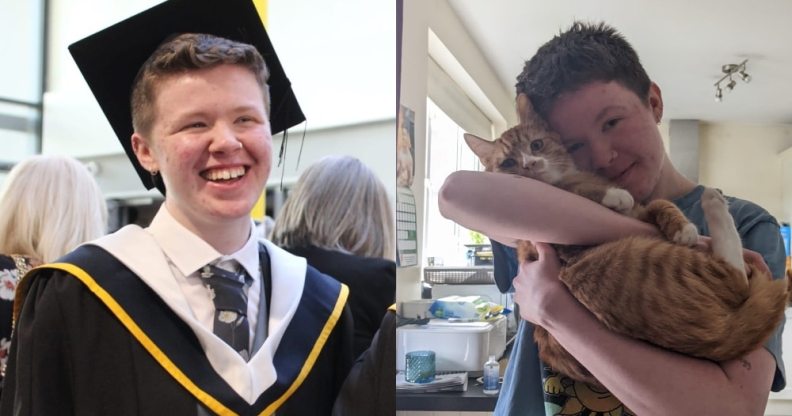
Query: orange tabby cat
pixel 664 292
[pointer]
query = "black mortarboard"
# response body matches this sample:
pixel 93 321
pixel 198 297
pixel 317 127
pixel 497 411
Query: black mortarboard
pixel 109 60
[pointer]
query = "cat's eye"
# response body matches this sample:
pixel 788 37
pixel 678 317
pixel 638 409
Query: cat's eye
pixel 508 163
pixel 536 145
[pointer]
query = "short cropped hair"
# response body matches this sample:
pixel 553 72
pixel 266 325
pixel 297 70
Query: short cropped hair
pixel 582 54
pixel 186 52
pixel 338 204
pixel 49 205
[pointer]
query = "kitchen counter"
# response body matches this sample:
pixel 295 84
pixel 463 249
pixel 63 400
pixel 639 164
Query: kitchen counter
pixel 472 400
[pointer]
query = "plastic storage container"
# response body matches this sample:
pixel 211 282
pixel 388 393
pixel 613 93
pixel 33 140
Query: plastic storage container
pixel 458 346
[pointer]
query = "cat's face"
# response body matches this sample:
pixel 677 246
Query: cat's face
pixel 526 151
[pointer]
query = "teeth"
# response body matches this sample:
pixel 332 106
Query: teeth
pixel 225 174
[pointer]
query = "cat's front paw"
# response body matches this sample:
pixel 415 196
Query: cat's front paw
pixel 687 236
pixel 618 199
pixel 712 200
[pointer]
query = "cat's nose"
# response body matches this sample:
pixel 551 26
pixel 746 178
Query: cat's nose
pixel 533 164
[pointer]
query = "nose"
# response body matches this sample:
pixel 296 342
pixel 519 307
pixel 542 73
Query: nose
pixel 602 155
pixel 224 140
pixel 532 163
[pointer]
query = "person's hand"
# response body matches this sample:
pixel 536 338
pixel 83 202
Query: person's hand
pixel 537 288
pixel 749 256
pixel 753 258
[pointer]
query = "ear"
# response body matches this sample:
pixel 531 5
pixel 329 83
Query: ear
pixel 481 147
pixel 656 102
pixel 525 110
pixel 529 117
pixel 144 152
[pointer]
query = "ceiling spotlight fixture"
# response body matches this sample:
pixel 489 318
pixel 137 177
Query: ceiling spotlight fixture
pixel 730 71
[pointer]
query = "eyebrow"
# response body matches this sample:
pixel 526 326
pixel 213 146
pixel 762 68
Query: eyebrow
pixel 605 110
pixel 204 113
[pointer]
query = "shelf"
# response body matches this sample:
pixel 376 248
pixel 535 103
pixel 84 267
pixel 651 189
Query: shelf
pixel 475 275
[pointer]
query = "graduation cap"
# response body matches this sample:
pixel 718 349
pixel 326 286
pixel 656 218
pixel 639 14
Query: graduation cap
pixel 110 60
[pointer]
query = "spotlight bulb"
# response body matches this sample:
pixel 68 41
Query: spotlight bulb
pixel 729 68
pixel 718 95
pixel 745 77
pixel 731 84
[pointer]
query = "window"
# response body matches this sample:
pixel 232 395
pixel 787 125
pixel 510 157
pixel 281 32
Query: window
pixel 21 82
pixel 448 152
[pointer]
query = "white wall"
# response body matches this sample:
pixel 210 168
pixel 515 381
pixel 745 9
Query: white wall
pixel 743 161
pixel 340 56
pixel 413 95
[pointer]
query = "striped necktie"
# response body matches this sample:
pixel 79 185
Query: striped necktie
pixel 228 294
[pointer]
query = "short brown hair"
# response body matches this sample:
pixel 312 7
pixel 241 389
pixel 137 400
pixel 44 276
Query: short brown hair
pixel 582 54
pixel 185 52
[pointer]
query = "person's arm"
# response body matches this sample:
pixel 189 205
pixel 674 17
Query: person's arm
pixel 647 379
pixel 509 207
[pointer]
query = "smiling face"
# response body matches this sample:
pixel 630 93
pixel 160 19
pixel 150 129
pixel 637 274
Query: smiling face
pixel 211 142
pixel 613 133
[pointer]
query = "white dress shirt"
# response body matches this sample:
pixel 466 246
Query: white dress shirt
pixel 187 254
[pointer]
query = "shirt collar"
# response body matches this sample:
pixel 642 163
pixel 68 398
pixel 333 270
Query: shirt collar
pixel 189 253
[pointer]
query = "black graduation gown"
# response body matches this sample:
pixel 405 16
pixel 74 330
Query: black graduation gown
pixel 72 354
pixel 372 286
pixel 370 388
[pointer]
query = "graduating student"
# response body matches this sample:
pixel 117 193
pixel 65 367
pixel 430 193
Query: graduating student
pixel 194 314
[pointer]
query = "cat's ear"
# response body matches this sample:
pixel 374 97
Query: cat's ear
pixel 481 147
pixel 526 113
pixel 525 110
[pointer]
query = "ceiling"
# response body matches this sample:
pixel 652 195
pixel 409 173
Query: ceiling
pixel 681 43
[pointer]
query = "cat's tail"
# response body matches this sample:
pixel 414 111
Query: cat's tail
pixel 756 318
pixel 725 239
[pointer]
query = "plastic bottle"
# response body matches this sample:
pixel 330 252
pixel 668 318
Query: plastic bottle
pixel 491 375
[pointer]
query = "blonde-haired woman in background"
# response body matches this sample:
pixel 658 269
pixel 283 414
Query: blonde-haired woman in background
pixel 48 206
pixel 339 218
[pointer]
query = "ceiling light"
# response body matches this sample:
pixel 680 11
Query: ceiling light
pixel 730 70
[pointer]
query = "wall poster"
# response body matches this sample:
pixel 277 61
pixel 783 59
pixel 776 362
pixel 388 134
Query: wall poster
pixel 406 229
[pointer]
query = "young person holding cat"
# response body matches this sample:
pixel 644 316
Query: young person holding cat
pixel 590 87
